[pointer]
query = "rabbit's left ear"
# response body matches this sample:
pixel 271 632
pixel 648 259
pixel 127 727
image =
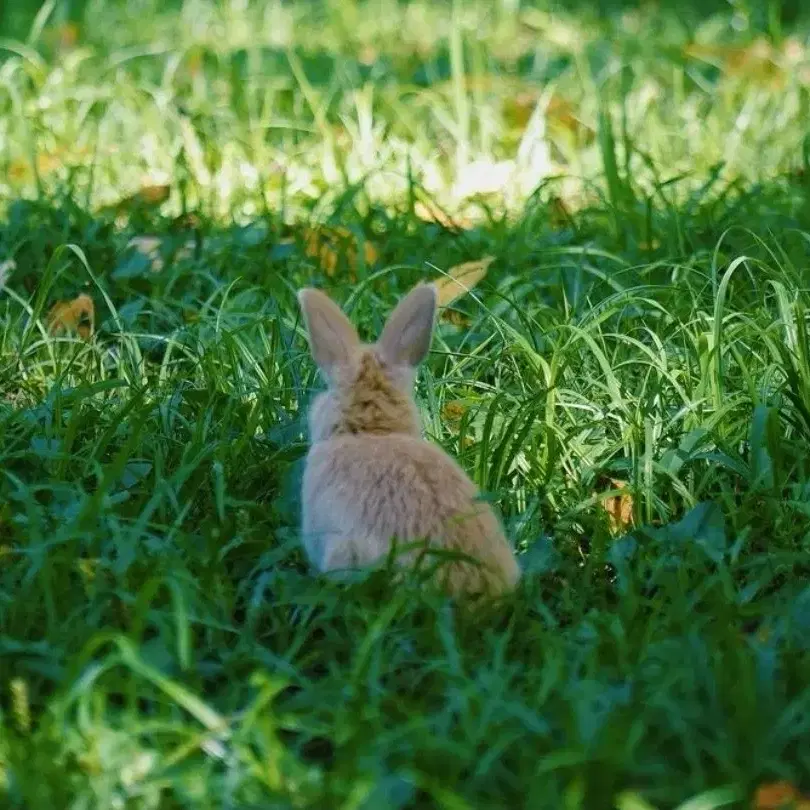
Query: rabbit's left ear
pixel 406 337
pixel 332 338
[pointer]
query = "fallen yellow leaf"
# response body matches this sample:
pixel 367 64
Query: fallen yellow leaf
pixel 467 442
pixel 562 115
pixel 558 212
pixel 194 61
pixel 188 221
pixel 328 244
pixel 619 507
pixel 461 279
pixel 68 35
pixel 454 317
pixel 78 315
pixel 147 197
pixel 47 163
pixel 779 796
pixel 759 61
pixel 19 170
pixel 518 107
pixel 152 195
pixel 430 212
pixel 454 410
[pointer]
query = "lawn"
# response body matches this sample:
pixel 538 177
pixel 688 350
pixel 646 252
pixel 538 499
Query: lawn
pixel 629 382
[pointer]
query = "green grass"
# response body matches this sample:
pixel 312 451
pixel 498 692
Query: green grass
pixel 162 642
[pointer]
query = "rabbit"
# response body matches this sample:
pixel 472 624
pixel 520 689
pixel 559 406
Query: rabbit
pixel 370 480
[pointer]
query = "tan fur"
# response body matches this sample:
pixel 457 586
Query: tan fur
pixel 371 404
pixel 370 479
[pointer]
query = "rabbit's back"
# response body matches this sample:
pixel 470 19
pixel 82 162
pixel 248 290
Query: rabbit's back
pixel 360 492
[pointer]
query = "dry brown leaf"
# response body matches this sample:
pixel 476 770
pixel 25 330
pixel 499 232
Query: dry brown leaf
pixel 78 315
pixel 328 244
pixel 68 35
pixel 194 61
pixel 779 796
pixel 562 115
pixel 461 279
pixel 20 170
pixel 558 213
pixel 430 212
pixel 518 108
pixel 146 197
pixel 454 317
pixel 151 195
pixel 520 101
pixel 759 61
pixel 63 36
pixel 454 410
pixel 619 507
pixel 45 163
pixel 188 221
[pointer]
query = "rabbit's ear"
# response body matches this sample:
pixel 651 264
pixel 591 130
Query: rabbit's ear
pixel 332 338
pixel 405 340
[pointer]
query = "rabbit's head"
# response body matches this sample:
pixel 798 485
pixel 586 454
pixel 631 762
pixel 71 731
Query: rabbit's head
pixel 369 386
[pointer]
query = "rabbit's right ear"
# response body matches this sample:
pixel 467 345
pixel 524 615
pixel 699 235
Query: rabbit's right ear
pixel 406 336
pixel 332 338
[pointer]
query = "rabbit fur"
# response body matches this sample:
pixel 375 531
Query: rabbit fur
pixel 370 479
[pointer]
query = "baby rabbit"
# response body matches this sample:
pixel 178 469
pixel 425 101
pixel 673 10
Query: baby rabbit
pixel 370 478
